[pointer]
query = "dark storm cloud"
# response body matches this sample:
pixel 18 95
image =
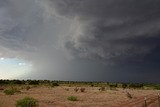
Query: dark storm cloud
pixel 83 39
pixel 99 25
pixel 99 29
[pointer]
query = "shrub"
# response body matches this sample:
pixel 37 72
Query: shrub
pixel 28 87
pixel 72 98
pixel 102 88
pixel 113 85
pixel 9 92
pixel 54 84
pixel 135 85
pixel 27 102
pixel 16 82
pixel 129 95
pixel 82 89
pixel 92 85
pixel 1 88
pixel 76 89
pixel 15 89
pixel 124 85
pixel 33 82
pixel 157 87
pixel 67 89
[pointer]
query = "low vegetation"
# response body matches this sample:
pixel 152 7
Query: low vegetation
pixel 61 94
pixel 27 102
pixel 157 87
pixel 2 88
pixel 135 86
pixel 54 84
pixel 9 92
pixel 113 86
pixel 124 86
pixel 102 88
pixel 67 89
pixel 76 89
pixel 72 98
pixel 78 84
pixel 129 95
pixel 28 87
pixel 82 89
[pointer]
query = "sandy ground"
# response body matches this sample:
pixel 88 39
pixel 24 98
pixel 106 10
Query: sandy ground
pixel 92 97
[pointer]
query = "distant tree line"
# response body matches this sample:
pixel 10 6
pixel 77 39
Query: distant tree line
pixel 70 83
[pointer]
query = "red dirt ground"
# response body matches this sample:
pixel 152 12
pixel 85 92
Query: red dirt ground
pixel 92 97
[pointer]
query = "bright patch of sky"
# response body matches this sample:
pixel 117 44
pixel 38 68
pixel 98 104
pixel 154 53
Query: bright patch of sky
pixel 11 68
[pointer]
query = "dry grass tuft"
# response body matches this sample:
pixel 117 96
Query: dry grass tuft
pixel 76 89
pixel 82 89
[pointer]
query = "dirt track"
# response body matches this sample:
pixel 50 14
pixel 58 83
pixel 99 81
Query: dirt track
pixel 151 101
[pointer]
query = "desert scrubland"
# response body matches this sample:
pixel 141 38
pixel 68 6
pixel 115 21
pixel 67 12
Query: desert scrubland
pixel 82 95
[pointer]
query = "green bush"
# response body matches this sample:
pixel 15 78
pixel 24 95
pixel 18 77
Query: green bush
pixel 33 82
pixel 54 84
pixel 135 85
pixel 157 87
pixel 72 98
pixel 113 85
pixel 9 92
pixel 27 102
pixel 124 85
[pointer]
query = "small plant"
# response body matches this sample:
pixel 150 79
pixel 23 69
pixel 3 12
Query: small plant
pixel 67 89
pixel 135 86
pixel 54 84
pixel 9 92
pixel 33 82
pixel 72 98
pixel 27 102
pixel 15 89
pixel 76 89
pixel 82 89
pixel 157 87
pixel 124 85
pixel 129 95
pixel 102 88
pixel 113 86
pixel 1 88
pixel 28 87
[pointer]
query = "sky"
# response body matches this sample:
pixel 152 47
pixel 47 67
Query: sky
pixel 80 40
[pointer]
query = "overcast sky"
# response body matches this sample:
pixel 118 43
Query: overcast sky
pixel 84 40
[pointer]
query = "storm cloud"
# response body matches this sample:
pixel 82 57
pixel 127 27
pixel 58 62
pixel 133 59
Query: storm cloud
pixel 112 40
pixel 108 29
